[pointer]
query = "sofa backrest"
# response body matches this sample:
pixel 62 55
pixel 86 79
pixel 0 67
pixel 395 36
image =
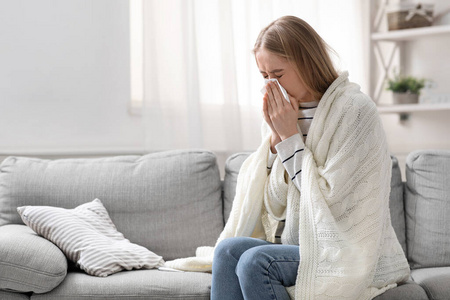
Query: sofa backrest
pixel 427 207
pixel 397 205
pixel 169 202
pixel 234 162
pixel 232 167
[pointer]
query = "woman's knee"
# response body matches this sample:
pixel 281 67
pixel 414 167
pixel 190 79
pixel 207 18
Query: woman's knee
pixel 234 247
pixel 252 261
pixel 225 248
pixel 228 250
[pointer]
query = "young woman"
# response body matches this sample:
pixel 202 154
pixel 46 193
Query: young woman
pixel 330 196
pixel 310 219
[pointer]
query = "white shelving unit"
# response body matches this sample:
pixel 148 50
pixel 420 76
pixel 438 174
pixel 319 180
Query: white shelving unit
pixel 386 60
pixel 409 108
pixel 404 110
pixel 410 34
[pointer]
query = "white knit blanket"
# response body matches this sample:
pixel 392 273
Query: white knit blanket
pixel 348 248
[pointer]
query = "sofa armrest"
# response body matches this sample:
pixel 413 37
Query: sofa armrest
pixel 28 262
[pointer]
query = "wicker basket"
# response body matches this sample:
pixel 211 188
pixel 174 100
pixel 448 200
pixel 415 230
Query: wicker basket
pixel 410 16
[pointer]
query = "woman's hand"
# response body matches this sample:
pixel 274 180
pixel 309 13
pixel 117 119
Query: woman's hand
pixel 275 138
pixel 280 115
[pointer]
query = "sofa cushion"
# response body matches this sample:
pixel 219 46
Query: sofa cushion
pixel 435 281
pixel 427 207
pixel 28 262
pixel 396 204
pixel 4 295
pixel 405 291
pixel 169 202
pixel 88 237
pixel 232 166
pixel 140 284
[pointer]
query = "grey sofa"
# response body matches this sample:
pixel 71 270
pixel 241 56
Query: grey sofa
pixel 171 202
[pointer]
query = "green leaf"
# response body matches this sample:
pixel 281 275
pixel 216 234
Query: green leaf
pixel 404 84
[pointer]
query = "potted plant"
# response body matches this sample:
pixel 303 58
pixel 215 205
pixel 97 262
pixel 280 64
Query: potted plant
pixel 406 88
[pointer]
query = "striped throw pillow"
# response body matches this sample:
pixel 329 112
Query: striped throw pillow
pixel 88 237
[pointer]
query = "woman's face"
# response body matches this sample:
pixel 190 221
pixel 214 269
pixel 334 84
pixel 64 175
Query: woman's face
pixel 273 66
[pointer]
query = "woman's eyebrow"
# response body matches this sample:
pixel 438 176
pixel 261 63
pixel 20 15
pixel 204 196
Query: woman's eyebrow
pixel 273 71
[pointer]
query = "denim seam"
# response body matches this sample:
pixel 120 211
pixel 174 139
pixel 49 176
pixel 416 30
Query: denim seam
pixel 267 270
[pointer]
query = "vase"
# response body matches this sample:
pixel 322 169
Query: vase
pixel 406 98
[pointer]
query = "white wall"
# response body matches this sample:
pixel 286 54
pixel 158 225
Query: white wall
pixel 64 78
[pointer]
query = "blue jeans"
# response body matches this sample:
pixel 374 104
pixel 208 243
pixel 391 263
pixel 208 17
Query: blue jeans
pixel 248 268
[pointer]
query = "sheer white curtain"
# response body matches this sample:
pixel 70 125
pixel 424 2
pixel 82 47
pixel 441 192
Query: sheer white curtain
pixel 201 82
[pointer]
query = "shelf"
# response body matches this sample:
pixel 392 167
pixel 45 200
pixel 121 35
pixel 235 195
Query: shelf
pixel 410 34
pixel 408 108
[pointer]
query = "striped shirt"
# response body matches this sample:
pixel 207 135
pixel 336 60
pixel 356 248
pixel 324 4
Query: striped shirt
pixel 290 151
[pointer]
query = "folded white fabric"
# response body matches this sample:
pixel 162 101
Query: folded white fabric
pixel 285 94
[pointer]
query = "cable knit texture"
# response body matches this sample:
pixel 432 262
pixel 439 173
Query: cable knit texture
pixel 348 248
pixel 290 153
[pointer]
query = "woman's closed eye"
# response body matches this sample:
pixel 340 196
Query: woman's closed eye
pixel 277 76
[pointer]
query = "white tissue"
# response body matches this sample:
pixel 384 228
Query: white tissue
pixel 283 91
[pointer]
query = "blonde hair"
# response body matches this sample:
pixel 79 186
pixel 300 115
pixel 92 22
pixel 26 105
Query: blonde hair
pixel 294 39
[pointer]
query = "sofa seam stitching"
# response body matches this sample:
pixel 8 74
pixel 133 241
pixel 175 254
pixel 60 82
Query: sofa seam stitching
pixel 33 270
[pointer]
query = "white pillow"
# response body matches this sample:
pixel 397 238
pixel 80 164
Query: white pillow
pixel 88 237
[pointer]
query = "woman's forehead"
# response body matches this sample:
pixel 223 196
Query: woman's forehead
pixel 269 62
